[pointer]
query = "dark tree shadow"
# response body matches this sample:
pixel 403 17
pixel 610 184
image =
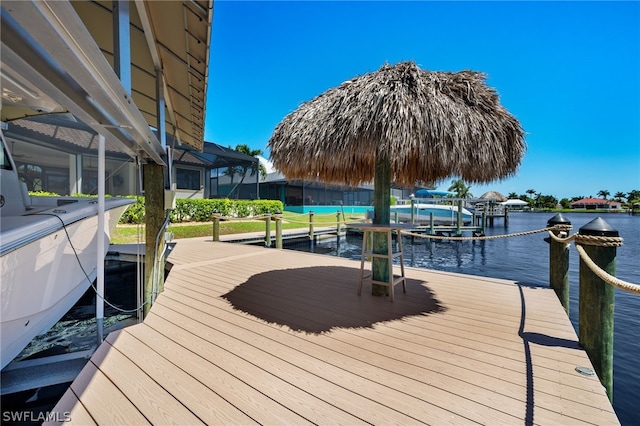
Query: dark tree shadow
pixel 529 338
pixel 321 298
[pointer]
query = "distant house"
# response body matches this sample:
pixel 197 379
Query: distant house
pixel 596 203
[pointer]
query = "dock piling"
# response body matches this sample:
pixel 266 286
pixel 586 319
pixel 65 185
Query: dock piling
pixel 278 218
pixel 216 227
pixel 267 234
pixel 597 300
pixel 559 261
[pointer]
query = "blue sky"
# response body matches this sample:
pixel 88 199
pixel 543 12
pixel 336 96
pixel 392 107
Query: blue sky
pixel 569 71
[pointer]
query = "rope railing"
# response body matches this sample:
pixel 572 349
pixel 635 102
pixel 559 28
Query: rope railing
pixel 479 237
pixel 600 241
pixel 604 275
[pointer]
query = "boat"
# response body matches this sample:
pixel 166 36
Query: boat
pixel 48 255
pixel 443 214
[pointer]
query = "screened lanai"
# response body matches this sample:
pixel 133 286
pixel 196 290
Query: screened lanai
pixel 57 153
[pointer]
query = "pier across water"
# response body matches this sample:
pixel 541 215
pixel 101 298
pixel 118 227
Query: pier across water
pixel 246 334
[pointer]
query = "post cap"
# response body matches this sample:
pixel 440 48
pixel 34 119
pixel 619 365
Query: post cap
pixel 598 227
pixel 558 220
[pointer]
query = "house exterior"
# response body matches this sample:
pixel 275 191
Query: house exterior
pixel 58 154
pixel 596 203
pixel 320 197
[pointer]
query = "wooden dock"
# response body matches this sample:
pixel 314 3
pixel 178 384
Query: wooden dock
pixel 246 335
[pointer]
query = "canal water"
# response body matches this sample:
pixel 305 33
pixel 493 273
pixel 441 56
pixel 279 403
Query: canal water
pixel 526 259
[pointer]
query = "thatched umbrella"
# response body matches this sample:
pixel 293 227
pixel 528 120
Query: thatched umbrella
pixel 400 124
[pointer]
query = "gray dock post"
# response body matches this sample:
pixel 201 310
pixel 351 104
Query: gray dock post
pixel 338 225
pixel 311 225
pixel 216 227
pixel 267 234
pixel 597 302
pixel 459 219
pixel 431 224
pixel 413 203
pixel 559 261
pixel 278 218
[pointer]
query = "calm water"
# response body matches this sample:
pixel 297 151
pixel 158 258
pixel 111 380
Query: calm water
pixel 526 259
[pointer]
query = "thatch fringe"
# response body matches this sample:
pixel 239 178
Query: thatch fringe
pixel 432 125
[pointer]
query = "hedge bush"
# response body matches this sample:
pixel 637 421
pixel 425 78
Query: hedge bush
pixel 202 210
pixel 195 210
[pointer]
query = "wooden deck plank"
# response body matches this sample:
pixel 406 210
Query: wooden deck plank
pixel 239 394
pixel 202 401
pixel 72 409
pixel 416 361
pixel 102 399
pixel 281 337
pixel 301 357
pixel 153 401
pixel 315 392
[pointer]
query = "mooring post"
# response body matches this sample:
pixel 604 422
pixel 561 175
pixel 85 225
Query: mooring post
pixel 559 260
pixel 395 217
pixel 413 203
pixel 596 303
pixel 267 234
pixel 459 219
pixel 338 224
pixel 278 218
pixel 484 223
pixel 216 227
pixel 311 225
pixel 506 216
pixel 431 224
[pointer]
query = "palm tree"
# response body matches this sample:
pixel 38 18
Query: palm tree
pixel 619 196
pixel 253 167
pixel 603 193
pixel 460 188
pixel 512 195
pixel 231 171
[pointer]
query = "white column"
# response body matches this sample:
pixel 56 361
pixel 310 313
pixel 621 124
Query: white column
pixel 100 237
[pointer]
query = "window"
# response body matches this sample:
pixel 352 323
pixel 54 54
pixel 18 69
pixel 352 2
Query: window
pixel 188 179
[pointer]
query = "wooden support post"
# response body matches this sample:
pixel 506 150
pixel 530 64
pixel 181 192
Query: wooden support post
pixel 154 221
pixel 597 303
pixel 382 213
pixel 506 216
pixel 216 227
pixel 484 223
pixel 395 217
pixel 413 205
pixel 559 262
pixel 432 230
pixel 278 218
pixel 459 219
pixel 338 224
pixel 311 225
pixel 267 233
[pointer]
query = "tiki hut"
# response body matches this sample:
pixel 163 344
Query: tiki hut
pixel 494 196
pixel 400 124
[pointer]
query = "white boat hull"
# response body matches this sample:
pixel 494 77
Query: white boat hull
pixel 443 215
pixel 42 279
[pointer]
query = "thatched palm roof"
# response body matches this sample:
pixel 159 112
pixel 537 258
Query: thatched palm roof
pixel 493 195
pixel 430 125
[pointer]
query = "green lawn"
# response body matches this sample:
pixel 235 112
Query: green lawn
pixel 129 233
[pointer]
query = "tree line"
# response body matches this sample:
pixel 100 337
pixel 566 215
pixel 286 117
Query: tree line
pixel 536 199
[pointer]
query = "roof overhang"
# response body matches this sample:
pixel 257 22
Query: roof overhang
pixel 58 56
